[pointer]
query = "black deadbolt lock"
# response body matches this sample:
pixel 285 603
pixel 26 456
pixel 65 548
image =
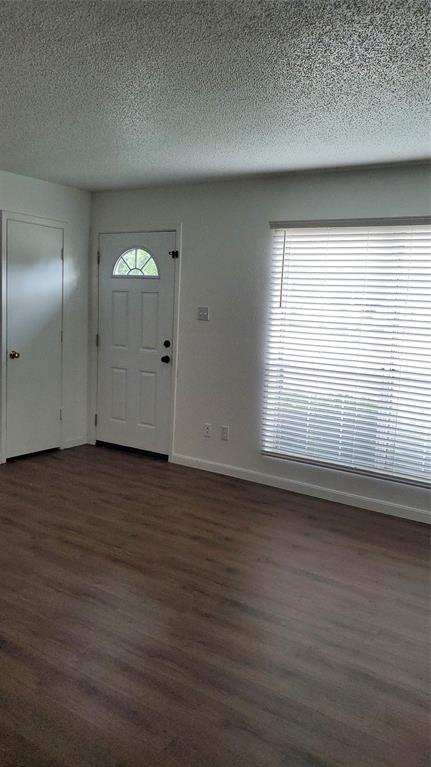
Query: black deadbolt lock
pixel 166 344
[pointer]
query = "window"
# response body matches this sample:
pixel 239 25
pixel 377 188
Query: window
pixel 135 262
pixel 348 362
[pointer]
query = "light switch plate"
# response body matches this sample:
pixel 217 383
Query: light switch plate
pixel 203 313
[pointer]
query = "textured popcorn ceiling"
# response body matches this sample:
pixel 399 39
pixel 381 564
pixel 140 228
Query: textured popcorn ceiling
pixel 107 94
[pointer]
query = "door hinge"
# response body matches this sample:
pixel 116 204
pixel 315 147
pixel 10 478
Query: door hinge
pixel 174 253
pixel 98 256
pixel 62 254
pixel 97 339
pixel 61 336
pixel 61 414
pixel 95 419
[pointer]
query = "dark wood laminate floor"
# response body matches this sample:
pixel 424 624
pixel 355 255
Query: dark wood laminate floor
pixel 158 616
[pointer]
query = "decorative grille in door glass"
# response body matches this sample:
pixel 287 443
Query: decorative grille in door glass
pixel 135 262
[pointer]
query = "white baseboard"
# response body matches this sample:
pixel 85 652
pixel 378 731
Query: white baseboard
pixel 74 442
pixel 318 491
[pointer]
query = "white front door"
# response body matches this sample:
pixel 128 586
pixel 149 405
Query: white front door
pixel 136 300
pixel 34 295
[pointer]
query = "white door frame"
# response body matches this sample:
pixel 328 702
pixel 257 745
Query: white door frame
pixel 7 215
pixel 94 320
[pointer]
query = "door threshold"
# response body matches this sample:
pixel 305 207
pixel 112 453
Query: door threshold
pixel 127 449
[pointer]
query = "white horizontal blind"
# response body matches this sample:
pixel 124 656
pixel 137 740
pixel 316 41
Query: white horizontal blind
pixel 348 362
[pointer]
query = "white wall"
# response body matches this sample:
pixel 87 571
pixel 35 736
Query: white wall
pixel 72 207
pixel 225 259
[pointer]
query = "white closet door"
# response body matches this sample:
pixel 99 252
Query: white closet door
pixel 33 334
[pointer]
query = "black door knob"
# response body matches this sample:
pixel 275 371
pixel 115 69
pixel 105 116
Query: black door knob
pixel 165 358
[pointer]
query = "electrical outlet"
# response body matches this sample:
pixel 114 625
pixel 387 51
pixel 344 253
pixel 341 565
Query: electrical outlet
pixel 207 430
pixel 203 313
pixel 224 433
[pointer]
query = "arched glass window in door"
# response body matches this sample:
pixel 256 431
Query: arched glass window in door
pixel 135 262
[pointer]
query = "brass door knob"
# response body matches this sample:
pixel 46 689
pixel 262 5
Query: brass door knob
pixel 14 355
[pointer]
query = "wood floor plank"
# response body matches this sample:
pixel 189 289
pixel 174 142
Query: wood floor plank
pixel 153 615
